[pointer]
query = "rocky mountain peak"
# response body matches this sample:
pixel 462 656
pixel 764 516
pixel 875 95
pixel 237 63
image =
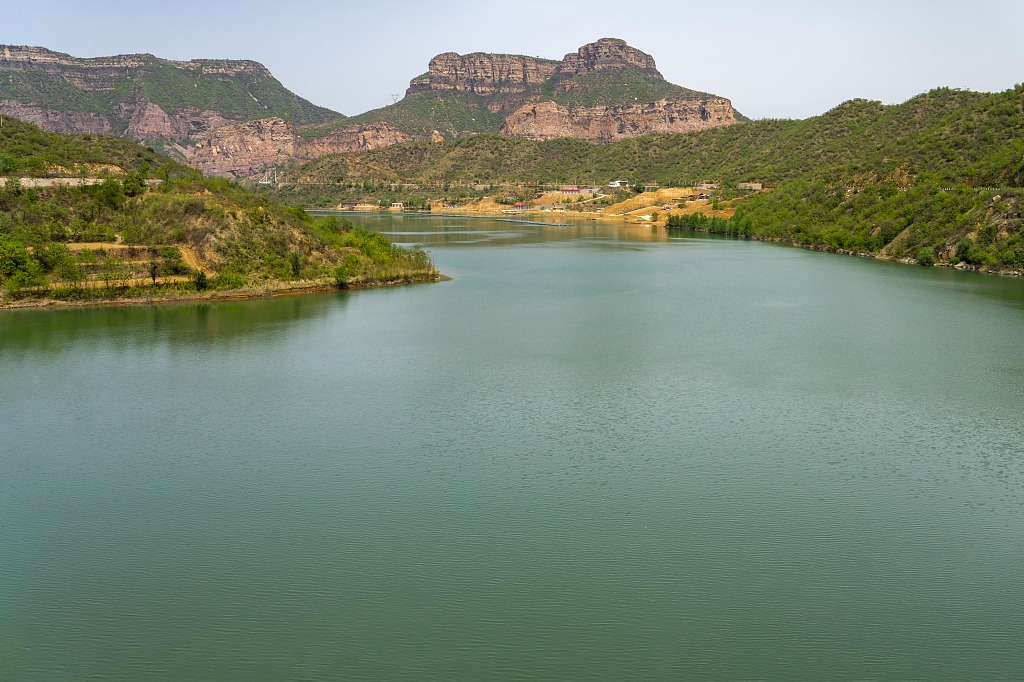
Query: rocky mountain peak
pixel 606 53
pixel 483 73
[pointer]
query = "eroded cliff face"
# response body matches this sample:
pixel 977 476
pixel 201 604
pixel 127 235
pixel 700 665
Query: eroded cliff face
pixel 245 136
pixel 108 95
pixel 24 57
pixel 527 87
pixel 484 74
pixel 244 149
pixel 489 74
pixel 59 121
pixel 606 53
pixel 550 120
pixel 148 121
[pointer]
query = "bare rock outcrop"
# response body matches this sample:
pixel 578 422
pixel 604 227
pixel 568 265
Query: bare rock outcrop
pixel 488 74
pixel 549 120
pixel 243 149
pixel 606 53
pixel 59 120
pixel 148 121
pixel 139 96
pixel 484 74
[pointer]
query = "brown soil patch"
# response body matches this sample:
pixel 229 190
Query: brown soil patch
pixel 191 258
pixel 649 200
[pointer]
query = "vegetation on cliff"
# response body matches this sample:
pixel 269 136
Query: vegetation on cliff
pixel 474 94
pixel 618 86
pixel 109 86
pixel 451 113
pixel 949 135
pixel 127 237
pixel 27 151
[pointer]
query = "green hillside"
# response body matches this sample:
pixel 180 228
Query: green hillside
pixel 618 86
pixel 153 228
pixel 27 151
pixel 248 91
pixel 949 135
pixel 450 113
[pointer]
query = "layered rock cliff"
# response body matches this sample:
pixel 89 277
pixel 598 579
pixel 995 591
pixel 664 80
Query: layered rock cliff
pixel 604 91
pixel 487 74
pixel 549 120
pixel 243 149
pixel 140 96
pixel 231 117
pixel 484 74
pixel 606 53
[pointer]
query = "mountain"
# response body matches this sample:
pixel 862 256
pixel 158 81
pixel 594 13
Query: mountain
pixel 142 97
pixel 123 221
pixel 233 118
pixel 224 117
pixel 604 91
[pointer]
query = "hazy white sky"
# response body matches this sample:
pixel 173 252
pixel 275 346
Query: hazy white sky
pixel 781 59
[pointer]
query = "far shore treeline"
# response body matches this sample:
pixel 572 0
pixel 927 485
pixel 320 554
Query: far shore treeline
pixel 935 179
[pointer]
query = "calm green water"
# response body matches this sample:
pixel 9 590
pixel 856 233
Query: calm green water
pixel 595 453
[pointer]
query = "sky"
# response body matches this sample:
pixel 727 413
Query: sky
pixel 781 59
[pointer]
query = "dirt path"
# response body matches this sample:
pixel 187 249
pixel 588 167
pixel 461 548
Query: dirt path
pixel 191 258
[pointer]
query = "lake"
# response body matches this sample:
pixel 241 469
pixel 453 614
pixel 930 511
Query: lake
pixel 596 452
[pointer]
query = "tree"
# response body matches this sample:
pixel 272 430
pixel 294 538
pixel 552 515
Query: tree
pixel 134 184
pixel 13 257
pixel 341 276
pixel 925 256
pixel 110 194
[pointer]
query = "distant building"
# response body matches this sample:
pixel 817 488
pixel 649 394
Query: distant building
pixel 398 204
pixel 753 186
pixel 707 185
pixel 569 190
pixel 618 183
pixel 522 207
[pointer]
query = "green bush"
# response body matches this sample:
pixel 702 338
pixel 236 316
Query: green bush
pixel 227 280
pixel 341 276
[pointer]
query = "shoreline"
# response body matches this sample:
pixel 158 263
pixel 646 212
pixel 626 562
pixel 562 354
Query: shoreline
pixel 246 294
pixel 963 267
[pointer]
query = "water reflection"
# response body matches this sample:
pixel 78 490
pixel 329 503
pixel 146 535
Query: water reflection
pixel 45 330
pixel 435 230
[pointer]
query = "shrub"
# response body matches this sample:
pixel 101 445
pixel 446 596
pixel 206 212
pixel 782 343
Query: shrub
pixel 925 256
pixel 341 276
pixel 228 280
